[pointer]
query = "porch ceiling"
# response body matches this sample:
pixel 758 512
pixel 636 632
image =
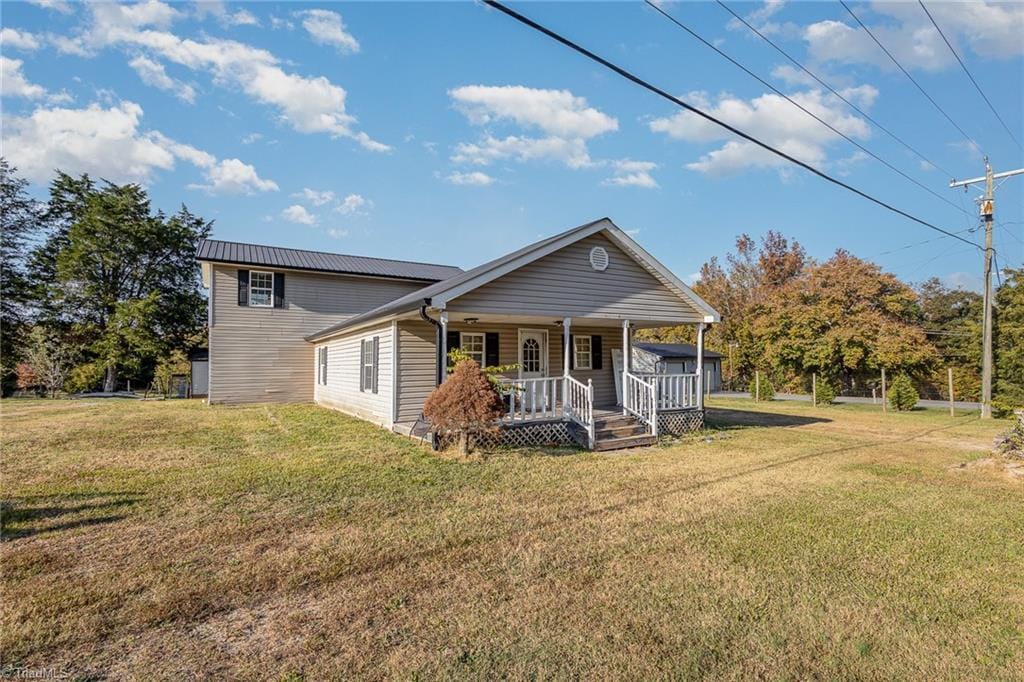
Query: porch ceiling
pixel 611 322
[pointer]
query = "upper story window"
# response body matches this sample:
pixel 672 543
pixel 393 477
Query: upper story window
pixel 473 344
pixel 261 289
pixel 583 348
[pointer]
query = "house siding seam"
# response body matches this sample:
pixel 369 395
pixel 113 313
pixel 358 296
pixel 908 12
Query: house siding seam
pixel 342 391
pixel 563 284
pixel 260 354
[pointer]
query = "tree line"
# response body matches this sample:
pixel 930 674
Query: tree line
pixel 843 320
pixel 97 289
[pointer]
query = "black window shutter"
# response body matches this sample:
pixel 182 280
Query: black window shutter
pixel 243 287
pixel 362 364
pixel 278 289
pixel 454 340
pixel 572 352
pixel 595 351
pixel 492 341
pixel 325 366
pixel 376 358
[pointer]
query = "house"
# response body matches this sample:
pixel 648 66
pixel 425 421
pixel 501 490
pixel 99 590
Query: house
pixel 678 358
pixel 370 337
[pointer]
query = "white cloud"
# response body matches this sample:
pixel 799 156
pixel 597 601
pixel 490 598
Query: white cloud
pixel 629 173
pixel 565 120
pixel 153 73
pixel 219 10
pixel 989 29
pixel 107 143
pixel 14 82
pixel 232 176
pixel 298 214
pixel 770 118
pixel 471 178
pixel 354 204
pixel 327 28
pixel 556 112
pixel 315 197
pixel 252 137
pixel 337 233
pixel 308 104
pixel 61 6
pixel 19 40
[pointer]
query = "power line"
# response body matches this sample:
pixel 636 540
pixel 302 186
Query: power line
pixel 912 79
pixel 922 243
pixel 800 106
pixel 689 107
pixel 964 67
pixel 833 90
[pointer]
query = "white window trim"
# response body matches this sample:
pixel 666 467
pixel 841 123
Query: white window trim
pixel 366 360
pixel 261 305
pixel 483 344
pixel 590 351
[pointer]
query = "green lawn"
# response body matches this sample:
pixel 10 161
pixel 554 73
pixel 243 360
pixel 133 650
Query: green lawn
pixel 174 540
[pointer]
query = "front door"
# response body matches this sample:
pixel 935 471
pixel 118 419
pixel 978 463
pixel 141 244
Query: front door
pixel 533 364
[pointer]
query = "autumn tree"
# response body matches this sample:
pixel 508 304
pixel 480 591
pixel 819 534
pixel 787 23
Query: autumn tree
pixel 843 319
pixel 739 289
pixel 466 405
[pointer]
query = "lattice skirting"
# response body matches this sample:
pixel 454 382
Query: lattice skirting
pixel 678 423
pixel 530 434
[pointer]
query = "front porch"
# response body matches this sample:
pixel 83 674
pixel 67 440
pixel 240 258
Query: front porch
pixel 573 382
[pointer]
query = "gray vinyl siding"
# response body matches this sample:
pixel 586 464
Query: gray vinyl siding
pixel 416 357
pixel 343 367
pixel 417 370
pixel 563 284
pixel 260 354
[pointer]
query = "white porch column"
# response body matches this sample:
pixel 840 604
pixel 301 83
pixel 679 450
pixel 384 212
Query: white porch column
pixel 566 326
pixel 626 362
pixel 700 365
pixel 444 345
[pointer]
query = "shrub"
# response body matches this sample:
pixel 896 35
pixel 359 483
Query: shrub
pixel 902 394
pixel 465 405
pixel 27 378
pixel 85 377
pixel 767 390
pixel 826 392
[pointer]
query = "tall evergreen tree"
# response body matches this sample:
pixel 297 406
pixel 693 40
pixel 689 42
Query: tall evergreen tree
pixel 117 276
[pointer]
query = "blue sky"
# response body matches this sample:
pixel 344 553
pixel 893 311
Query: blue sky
pixel 446 132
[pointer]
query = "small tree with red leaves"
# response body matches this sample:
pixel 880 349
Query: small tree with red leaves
pixel 466 405
pixel 27 378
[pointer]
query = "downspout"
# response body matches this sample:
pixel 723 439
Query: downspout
pixel 439 343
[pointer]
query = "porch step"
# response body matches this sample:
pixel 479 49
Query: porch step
pixel 622 443
pixel 617 432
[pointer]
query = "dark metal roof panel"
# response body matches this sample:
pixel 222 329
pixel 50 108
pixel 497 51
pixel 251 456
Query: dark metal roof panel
pixel 299 259
pixel 674 350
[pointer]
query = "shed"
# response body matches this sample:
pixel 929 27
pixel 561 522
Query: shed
pixel 677 358
pixel 199 379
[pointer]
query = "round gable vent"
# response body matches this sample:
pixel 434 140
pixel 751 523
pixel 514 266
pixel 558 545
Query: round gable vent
pixel 599 258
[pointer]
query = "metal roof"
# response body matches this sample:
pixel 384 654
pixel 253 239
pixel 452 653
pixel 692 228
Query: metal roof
pixel 674 350
pixel 417 298
pixel 220 251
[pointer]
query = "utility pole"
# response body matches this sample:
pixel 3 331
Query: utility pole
pixel 987 205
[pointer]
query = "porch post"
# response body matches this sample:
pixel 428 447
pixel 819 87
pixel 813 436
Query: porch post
pixel 700 365
pixel 626 358
pixel 566 326
pixel 443 369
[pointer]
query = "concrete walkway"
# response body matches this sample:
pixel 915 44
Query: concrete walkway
pixel 939 404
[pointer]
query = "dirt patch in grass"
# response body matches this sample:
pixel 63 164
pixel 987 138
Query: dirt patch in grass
pixel 168 540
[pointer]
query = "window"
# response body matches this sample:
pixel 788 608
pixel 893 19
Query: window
pixel 368 364
pixel 322 365
pixel 582 348
pixel 261 289
pixel 473 345
pixel 531 356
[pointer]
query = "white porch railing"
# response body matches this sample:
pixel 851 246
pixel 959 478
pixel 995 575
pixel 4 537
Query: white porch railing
pixel 579 405
pixel 639 400
pixel 674 391
pixel 550 398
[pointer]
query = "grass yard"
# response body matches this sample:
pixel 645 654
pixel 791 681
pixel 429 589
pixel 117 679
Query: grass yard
pixel 172 540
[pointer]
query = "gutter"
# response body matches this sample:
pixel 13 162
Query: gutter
pixel 439 362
